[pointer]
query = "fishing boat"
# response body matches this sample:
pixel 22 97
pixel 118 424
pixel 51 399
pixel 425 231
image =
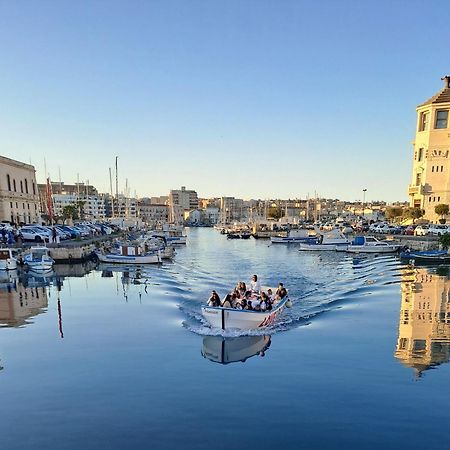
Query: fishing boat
pixel 172 237
pixel 429 256
pixel 295 236
pixel 239 235
pixel 327 242
pixel 369 244
pixel 243 319
pixel 229 350
pixel 8 260
pixel 155 244
pixel 38 259
pixel 129 254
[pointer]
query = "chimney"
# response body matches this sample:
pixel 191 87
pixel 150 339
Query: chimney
pixel 446 80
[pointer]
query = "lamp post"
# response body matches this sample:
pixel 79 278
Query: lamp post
pixel 364 202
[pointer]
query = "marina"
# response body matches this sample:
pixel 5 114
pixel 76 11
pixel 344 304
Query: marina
pixel 152 323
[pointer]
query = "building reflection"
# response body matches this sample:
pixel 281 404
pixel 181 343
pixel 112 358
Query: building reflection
pixel 230 350
pixel 20 301
pixel 424 323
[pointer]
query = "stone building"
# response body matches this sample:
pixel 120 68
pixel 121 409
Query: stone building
pixel 430 184
pixel 19 199
pixel 181 200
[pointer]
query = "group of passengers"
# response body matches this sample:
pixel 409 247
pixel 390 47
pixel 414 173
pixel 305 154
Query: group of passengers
pixel 250 298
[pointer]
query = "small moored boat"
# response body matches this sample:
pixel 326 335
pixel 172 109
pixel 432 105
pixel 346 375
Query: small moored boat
pixel 369 244
pixel 295 236
pixel 130 254
pixel 8 260
pixel 327 242
pixel 38 259
pixel 430 256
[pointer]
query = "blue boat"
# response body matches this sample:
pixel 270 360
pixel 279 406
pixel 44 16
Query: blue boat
pixel 426 256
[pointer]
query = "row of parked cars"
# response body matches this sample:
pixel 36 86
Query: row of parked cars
pixel 42 233
pixel 411 230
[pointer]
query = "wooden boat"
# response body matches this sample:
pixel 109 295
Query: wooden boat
pixel 242 319
pixel 8 260
pixel 130 254
pixel 229 350
pixel 430 256
pixel 38 259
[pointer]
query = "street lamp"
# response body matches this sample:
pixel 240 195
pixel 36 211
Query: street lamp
pixel 364 201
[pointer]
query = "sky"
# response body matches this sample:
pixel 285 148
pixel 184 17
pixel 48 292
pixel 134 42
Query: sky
pixel 245 98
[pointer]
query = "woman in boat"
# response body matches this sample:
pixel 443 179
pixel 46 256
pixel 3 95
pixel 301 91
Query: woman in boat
pixel 214 300
pixel 226 302
pixel 242 288
pixel 234 300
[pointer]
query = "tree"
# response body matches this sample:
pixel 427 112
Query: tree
pixel 275 212
pixel 394 212
pixel 441 210
pixel 444 240
pixel 70 212
pixel 414 213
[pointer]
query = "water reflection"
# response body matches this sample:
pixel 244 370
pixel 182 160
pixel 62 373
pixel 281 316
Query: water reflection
pixel 424 323
pixel 230 350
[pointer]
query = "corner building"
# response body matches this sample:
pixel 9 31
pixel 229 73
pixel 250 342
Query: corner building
pixel 430 184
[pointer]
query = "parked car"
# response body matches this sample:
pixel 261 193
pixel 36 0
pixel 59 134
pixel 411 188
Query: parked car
pixel 34 234
pixel 421 230
pixel 387 229
pixel 409 231
pixel 438 229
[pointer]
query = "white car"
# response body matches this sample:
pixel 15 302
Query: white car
pixel 438 229
pixel 421 230
pixel 34 234
pixel 386 229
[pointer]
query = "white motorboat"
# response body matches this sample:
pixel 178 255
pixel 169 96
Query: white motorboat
pixel 242 319
pixel 155 244
pixel 370 244
pixel 130 254
pixel 295 236
pixel 8 260
pixel 38 259
pixel 327 242
pixel 226 351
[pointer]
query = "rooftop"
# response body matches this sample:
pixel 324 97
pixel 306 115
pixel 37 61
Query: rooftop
pixel 442 96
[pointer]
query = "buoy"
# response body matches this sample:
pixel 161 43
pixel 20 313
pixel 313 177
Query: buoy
pixel 288 304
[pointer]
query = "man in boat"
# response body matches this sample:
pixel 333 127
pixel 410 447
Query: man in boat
pixel 214 300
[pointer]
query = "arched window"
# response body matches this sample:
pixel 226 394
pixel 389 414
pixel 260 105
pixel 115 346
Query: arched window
pixel 8 180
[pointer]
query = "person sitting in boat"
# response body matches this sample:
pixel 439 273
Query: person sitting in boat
pixel 281 291
pixel 227 301
pixel 234 300
pixel 249 306
pixel 265 302
pixel 241 288
pixel 255 285
pixel 270 295
pixel 214 300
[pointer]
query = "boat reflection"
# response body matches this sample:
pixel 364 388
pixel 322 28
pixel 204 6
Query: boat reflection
pixel 424 323
pixel 230 350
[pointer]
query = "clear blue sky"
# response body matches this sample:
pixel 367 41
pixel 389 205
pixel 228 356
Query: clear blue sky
pixel 245 98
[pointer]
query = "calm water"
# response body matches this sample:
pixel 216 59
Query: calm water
pixel 109 358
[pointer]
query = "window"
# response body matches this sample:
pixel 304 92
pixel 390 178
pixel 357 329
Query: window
pixel 34 189
pixel 26 185
pixel 432 168
pixel 8 180
pixel 423 121
pixel 441 118
pixel 420 155
pixel 439 199
pixel 21 186
pixel 14 185
pixel 442 168
pixel 418 177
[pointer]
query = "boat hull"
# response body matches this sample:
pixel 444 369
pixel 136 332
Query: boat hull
pixel 121 259
pixel 8 264
pixel 291 240
pixel 372 249
pixel 427 257
pixel 321 247
pixel 239 319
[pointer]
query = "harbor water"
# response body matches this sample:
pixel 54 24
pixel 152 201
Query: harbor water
pixel 111 357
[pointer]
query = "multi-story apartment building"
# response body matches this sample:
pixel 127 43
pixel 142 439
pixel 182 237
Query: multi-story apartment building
pixel 19 199
pixel 181 200
pixel 430 184
pixel 153 214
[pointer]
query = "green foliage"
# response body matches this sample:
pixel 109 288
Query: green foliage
pixel 275 212
pixel 70 212
pixel 444 240
pixel 441 209
pixel 394 212
pixel 414 213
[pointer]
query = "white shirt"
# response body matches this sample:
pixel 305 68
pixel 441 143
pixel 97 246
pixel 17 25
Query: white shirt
pixel 255 286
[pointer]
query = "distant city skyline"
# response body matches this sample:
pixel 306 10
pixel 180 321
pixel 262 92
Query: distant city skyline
pixel 252 99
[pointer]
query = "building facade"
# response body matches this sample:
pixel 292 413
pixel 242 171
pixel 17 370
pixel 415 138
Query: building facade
pixel 430 184
pixel 19 198
pixel 153 214
pixel 181 200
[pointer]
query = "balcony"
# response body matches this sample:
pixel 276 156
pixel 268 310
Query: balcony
pixel 414 190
